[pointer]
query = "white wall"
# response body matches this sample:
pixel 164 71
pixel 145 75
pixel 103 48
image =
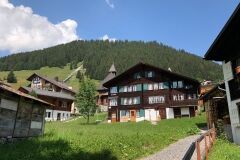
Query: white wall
pixel 151 114
pixel 138 119
pixel 169 113
pixel 54 113
pixel 232 107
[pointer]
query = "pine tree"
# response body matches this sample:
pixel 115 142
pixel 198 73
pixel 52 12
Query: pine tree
pixel 79 75
pixel 86 101
pixel 11 78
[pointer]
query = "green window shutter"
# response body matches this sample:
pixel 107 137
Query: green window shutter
pixel 138 100
pixel 145 87
pixel 139 87
pixel 142 113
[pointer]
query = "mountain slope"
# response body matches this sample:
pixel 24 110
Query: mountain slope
pixel 99 55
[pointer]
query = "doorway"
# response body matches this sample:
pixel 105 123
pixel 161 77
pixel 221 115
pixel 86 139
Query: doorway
pixel 58 116
pixel 133 115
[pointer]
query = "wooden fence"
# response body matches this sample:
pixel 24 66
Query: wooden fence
pixel 202 145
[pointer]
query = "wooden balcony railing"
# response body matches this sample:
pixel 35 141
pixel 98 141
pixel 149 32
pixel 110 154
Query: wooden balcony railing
pixel 186 102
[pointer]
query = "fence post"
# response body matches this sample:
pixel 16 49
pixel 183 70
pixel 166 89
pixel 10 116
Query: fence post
pixel 206 146
pixel 198 150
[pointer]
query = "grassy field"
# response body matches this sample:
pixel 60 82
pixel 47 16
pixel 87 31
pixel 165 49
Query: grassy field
pixel 77 140
pixel 50 72
pixel 224 150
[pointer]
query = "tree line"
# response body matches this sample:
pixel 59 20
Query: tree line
pixel 97 57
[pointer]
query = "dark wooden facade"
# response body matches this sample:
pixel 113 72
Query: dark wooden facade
pixel 21 115
pixel 128 78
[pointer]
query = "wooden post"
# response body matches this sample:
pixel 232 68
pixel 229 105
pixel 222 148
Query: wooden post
pixel 198 150
pixel 206 147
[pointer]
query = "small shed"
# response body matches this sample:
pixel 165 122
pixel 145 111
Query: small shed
pixel 21 115
pixel 216 107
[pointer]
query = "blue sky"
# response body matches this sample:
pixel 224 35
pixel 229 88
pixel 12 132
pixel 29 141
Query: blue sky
pixel 183 24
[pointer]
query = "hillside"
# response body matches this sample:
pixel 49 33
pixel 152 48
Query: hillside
pixel 99 55
pixel 50 72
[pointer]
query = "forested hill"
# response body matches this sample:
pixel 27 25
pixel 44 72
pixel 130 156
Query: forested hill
pixel 99 55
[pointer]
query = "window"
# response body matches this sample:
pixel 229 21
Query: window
pixel 137 75
pixel 155 86
pixel 149 74
pixel 36 80
pixel 174 84
pixel 113 102
pixel 113 90
pixel 139 87
pixel 156 99
pixel 180 84
pixel 160 85
pixel 134 88
pixel 63 115
pixel 188 86
pixel 145 87
pixel 178 97
pixel 125 89
pixel 48 114
pixel 165 85
pixel 138 113
pixel 121 89
pixel 64 104
pixel 129 88
pixel 130 101
pixel 150 86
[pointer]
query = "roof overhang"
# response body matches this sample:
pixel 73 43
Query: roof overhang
pixel 226 45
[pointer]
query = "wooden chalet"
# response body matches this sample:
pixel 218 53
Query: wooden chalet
pixel 226 49
pixel 54 92
pixel 146 92
pixel 102 98
pixel 21 115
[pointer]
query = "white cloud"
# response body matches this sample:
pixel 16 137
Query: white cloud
pixel 111 5
pixel 106 37
pixel 22 30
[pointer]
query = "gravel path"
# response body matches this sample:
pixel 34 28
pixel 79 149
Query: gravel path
pixel 175 151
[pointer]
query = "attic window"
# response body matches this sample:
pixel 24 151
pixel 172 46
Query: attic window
pixel 137 75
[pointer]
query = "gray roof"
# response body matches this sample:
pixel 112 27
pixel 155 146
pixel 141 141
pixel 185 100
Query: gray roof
pixel 49 93
pixel 111 74
pixel 107 78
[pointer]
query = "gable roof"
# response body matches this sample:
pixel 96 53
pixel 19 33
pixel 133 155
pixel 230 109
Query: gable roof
pixel 112 68
pixel 227 40
pixel 49 93
pixel 141 64
pixel 59 84
pixel 19 93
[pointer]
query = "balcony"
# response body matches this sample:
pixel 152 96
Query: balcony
pixel 186 102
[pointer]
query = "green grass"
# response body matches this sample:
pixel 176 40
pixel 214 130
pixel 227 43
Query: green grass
pixel 50 72
pixel 77 140
pixel 224 150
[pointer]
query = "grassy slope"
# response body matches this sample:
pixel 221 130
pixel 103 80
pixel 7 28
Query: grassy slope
pixel 76 140
pixel 50 72
pixel 224 150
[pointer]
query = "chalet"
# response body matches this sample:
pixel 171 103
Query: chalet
pixel 54 92
pixel 226 49
pixel 146 92
pixel 21 115
pixel 102 98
